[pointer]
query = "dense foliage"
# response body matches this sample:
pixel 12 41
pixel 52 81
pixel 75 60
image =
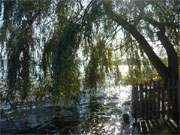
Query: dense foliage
pixel 41 41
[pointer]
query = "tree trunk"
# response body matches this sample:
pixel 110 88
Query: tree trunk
pixel 178 105
pixel 171 53
pixel 173 69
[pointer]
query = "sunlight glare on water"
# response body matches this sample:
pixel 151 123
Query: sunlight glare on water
pixel 116 101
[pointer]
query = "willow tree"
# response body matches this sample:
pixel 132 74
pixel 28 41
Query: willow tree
pixel 17 36
pixel 140 69
pixel 134 15
pixel 76 24
pixel 161 20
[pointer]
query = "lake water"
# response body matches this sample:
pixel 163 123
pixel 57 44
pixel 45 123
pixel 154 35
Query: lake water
pixel 100 114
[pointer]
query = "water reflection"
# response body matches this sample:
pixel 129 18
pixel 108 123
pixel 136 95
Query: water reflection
pixel 100 114
pixel 106 111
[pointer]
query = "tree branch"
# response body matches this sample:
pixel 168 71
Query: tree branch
pixel 155 60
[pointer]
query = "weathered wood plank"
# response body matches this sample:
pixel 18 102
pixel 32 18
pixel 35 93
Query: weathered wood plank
pixel 152 101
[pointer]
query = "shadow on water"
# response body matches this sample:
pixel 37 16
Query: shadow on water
pixel 98 115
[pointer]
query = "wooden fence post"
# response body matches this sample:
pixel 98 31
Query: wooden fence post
pixel 169 95
pixel 152 100
pixel 146 101
pixel 158 98
pixel 134 102
pixel 163 93
pixel 174 100
pixel 149 102
pixel 178 103
pixel 155 99
pixel 141 101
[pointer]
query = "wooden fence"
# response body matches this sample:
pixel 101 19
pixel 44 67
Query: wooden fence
pixel 154 100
